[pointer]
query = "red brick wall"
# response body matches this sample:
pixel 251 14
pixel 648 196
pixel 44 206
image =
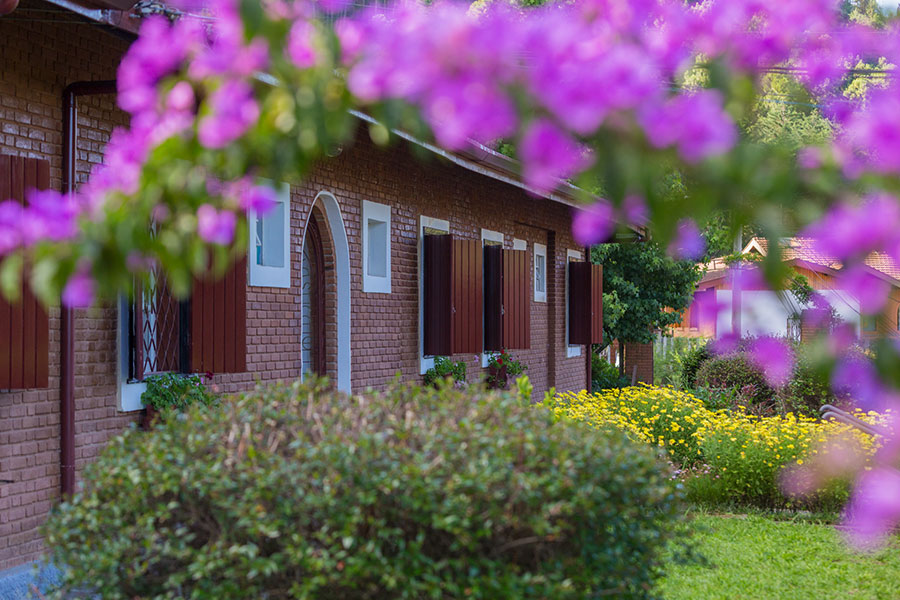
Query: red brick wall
pixel 39 60
pixel 638 360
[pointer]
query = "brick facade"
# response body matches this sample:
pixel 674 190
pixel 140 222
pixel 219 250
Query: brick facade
pixel 39 60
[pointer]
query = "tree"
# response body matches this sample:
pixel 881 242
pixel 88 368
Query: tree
pixel 644 290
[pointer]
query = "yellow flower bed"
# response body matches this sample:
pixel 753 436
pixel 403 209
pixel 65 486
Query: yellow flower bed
pixel 738 456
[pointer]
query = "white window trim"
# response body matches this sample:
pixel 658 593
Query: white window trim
pixel 539 250
pixel 261 275
pixel 129 394
pixel 425 362
pixel 377 212
pixel 571 350
pixel 519 244
pixel 488 236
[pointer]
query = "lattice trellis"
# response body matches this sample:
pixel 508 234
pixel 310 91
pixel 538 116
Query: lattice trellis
pixel 156 328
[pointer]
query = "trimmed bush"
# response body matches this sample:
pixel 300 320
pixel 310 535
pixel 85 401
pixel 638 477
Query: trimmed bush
pixel 691 363
pixel 736 372
pixel 299 492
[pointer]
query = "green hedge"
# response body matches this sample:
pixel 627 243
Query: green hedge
pixel 298 492
pixel 736 372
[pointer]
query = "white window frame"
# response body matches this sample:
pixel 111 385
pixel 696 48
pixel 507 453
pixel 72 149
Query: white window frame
pixel 266 276
pixel 571 350
pixel 519 244
pixel 539 250
pixel 372 211
pixel 426 362
pixel 488 236
pixel 129 394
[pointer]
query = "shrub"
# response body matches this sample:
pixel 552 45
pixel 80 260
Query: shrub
pixel 736 372
pixel 669 356
pixel 444 368
pixel 176 391
pixel 724 456
pixel 604 375
pixel 691 362
pixel 295 491
pixel 809 387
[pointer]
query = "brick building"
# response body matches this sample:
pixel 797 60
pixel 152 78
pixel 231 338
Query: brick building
pixel 335 281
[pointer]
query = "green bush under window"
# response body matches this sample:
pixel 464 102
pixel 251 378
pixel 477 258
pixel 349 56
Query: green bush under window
pixel 300 492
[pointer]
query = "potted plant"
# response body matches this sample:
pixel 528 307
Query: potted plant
pixel 444 368
pixel 502 367
pixel 170 392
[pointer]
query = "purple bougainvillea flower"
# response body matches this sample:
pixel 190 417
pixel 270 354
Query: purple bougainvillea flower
pixel 10 226
pixel 687 244
pixel 181 98
pixel 214 226
pixel 548 155
pixel 874 508
pixel 855 376
pixel 635 211
pixel 593 224
pixel 774 358
pixel 79 290
pixel 870 290
pixel 725 344
pixel 695 123
pixel 301 44
pixel 849 230
pixel 233 110
pixel 259 198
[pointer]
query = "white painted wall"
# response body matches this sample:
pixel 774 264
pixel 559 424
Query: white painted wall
pixel 766 312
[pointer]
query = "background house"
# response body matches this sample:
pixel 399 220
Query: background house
pixel 766 312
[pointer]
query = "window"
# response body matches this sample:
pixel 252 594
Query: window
pixel 270 248
pixel 489 238
pixel 519 244
pixel 868 323
pixel 427 226
pixel 159 334
pixel 572 350
pixel 540 273
pixel 376 241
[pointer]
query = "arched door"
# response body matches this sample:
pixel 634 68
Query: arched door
pixel 312 311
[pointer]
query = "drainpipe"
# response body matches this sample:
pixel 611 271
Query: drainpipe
pixel 67 321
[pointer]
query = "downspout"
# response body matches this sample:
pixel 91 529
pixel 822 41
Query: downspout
pixel 67 315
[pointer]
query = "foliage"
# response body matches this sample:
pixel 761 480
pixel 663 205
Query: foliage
pixel 726 457
pixel 645 289
pixel 759 556
pixel 605 375
pixel 176 391
pixel 670 356
pixel 444 368
pixel 736 371
pixel 691 363
pixel 502 359
pixel 298 491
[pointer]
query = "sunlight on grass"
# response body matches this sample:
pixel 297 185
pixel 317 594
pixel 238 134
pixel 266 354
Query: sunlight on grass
pixel 755 557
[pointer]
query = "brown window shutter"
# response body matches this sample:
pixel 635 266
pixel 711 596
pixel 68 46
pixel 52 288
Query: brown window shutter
pixel 24 325
pixel 468 297
pixel 596 304
pixel 494 293
pixel 452 295
pixel 437 319
pixel 219 323
pixel 516 300
pixel 585 303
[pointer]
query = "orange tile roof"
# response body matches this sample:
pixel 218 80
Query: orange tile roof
pixel 802 248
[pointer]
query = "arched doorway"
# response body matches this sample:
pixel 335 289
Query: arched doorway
pixel 325 305
pixel 312 303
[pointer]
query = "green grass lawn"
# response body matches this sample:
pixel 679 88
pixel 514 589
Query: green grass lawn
pixel 757 557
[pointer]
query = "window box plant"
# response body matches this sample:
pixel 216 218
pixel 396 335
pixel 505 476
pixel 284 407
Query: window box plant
pixel 501 368
pixel 173 392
